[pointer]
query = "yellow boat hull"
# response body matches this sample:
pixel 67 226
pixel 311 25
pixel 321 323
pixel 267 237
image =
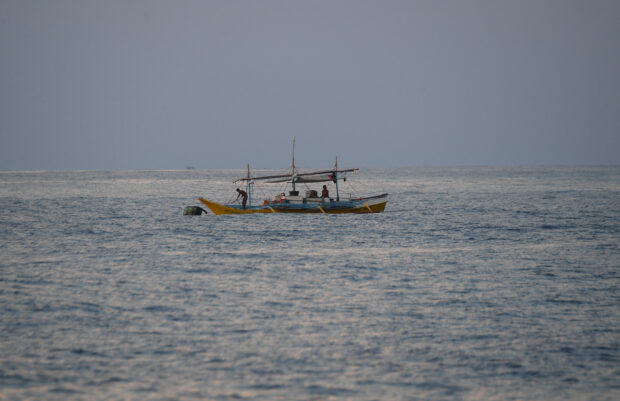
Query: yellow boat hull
pixel 219 209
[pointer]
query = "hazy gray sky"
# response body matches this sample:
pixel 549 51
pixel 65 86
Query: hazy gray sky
pixel 144 84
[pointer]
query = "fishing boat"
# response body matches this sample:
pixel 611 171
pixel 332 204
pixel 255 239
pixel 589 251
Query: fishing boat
pixel 292 201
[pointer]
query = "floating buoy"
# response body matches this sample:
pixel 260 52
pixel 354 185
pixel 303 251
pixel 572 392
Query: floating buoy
pixel 193 211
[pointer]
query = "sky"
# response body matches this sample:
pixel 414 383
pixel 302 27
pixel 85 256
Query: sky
pixel 151 84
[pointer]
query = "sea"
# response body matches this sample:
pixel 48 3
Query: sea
pixel 476 283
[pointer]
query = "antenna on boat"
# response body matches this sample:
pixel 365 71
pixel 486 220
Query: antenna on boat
pixel 293 164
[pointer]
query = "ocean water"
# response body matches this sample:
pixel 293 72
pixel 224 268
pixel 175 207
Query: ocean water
pixel 475 284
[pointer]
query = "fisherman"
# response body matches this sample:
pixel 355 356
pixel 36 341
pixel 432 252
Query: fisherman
pixel 324 192
pixel 243 194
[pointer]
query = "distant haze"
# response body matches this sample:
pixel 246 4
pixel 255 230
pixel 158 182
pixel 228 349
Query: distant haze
pixel 143 84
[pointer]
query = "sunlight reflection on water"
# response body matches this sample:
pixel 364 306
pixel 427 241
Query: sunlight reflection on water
pixel 480 283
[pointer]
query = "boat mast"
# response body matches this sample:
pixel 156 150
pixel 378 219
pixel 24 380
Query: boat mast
pixel 294 172
pixel 248 187
pixel 336 180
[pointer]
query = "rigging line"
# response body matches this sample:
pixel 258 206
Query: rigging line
pixel 352 188
pixel 261 191
pixel 232 200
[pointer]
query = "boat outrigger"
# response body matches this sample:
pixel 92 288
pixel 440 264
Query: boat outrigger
pixel 294 202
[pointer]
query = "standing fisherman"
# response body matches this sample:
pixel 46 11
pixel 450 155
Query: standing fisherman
pixel 243 194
